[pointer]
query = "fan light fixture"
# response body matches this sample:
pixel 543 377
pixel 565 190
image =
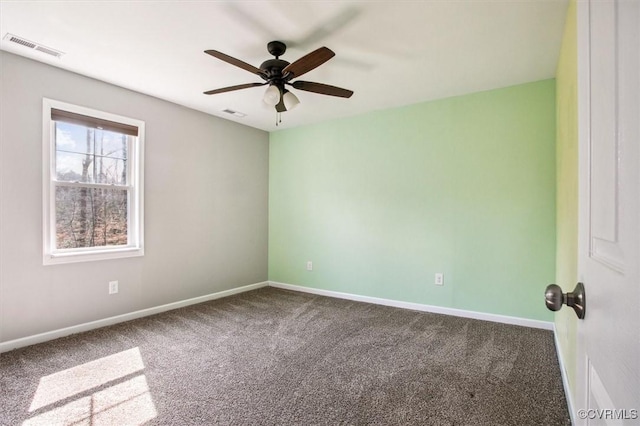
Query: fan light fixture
pixel 272 95
pixel 290 100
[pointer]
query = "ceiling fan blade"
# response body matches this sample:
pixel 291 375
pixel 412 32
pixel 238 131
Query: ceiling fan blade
pixel 231 88
pixel 323 89
pixel 233 61
pixel 308 62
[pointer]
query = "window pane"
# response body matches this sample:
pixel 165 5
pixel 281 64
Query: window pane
pixel 85 154
pixel 90 217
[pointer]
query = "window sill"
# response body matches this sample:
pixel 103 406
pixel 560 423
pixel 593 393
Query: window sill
pixel 93 255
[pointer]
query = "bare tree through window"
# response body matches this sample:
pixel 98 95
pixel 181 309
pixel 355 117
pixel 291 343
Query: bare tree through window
pixel 91 209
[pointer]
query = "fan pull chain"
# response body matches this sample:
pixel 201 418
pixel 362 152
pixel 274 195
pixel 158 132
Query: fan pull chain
pixel 278 118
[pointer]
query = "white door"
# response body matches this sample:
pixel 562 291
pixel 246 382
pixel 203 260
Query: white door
pixel 608 352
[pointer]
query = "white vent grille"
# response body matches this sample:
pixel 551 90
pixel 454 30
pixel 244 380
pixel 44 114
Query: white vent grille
pixel 236 113
pixel 31 45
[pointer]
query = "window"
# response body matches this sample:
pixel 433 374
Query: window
pixel 92 186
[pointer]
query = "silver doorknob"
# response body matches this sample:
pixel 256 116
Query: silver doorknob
pixel 554 299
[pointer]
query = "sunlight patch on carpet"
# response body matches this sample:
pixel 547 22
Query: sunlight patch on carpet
pixel 125 401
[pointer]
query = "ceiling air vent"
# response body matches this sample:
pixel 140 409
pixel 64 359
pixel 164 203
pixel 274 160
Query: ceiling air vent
pixel 31 45
pixel 236 113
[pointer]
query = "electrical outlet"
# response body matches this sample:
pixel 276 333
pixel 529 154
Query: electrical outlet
pixel 309 265
pixel 439 278
pixel 113 287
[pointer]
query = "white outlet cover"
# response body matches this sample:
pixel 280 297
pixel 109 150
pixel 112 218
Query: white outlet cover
pixel 439 279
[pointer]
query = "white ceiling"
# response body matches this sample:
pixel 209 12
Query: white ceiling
pixel 390 53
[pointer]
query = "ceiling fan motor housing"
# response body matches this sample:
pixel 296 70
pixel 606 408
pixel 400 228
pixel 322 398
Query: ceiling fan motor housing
pixel 272 69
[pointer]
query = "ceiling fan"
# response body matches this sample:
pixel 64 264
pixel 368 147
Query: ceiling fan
pixel 278 73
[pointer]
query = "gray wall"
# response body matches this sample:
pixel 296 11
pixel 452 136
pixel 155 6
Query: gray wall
pixel 206 186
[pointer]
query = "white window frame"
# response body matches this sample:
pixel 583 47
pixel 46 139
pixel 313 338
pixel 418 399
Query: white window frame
pixel 135 205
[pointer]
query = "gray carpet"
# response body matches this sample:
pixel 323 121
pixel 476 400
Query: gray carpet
pixel 276 357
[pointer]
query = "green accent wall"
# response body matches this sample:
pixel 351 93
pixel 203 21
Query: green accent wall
pixel 567 187
pixel 383 201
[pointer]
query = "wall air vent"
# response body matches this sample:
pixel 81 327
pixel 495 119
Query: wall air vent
pixel 31 45
pixel 236 113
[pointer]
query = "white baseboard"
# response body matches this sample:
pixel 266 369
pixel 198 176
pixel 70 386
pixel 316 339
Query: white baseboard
pixel 55 334
pixel 565 377
pixel 525 322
